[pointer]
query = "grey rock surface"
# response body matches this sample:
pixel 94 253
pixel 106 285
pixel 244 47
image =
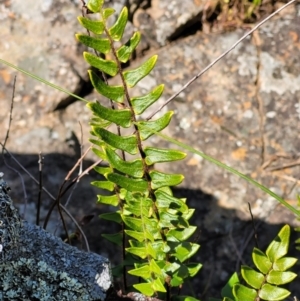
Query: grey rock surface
pixel 171 18
pixel 35 265
pixel 244 112
pixel 237 113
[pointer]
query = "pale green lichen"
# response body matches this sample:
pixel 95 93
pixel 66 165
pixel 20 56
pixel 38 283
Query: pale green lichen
pixel 24 280
pixel 37 266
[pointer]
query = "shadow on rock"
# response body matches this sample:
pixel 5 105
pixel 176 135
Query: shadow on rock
pixel 226 240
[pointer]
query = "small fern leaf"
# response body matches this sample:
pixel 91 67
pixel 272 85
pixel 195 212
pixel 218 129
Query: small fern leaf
pixel 132 168
pixel 186 250
pixel 117 30
pixel 140 236
pixel 280 278
pixel 171 267
pixel 189 214
pixel 104 185
pixel 125 143
pixel 97 121
pixel 138 251
pixel 95 26
pixel 133 223
pixel 141 103
pixel 284 263
pixel 165 200
pixel 227 289
pixel 151 250
pixel 144 288
pixel 108 199
pixel 114 238
pixel 133 185
pixel 148 128
pixel 112 216
pixel 99 44
pixel 160 179
pixel 169 220
pixel 143 272
pixel 279 246
pixel 102 170
pixel 107 12
pixel 132 77
pixel 158 286
pixel 99 153
pixel 193 268
pixel 95 5
pixel 115 93
pixel 261 261
pixel 178 235
pixel 125 51
pixel 143 248
pixel 139 208
pixel 154 268
pixel 252 277
pixel 243 293
pixel 107 66
pixel 157 155
pixel 273 293
pixel 178 277
pixel 120 117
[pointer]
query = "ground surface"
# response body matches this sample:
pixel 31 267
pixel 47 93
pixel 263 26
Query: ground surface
pixel 244 112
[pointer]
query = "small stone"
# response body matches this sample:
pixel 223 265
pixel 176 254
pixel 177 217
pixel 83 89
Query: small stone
pixel 248 114
pixel 271 114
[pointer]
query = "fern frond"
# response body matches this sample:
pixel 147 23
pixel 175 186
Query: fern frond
pixel 155 223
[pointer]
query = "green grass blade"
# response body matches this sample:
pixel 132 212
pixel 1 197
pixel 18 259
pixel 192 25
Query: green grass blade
pixel 228 168
pixel 42 80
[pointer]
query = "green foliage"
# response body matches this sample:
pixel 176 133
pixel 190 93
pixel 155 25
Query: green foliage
pixel 155 223
pixel 272 271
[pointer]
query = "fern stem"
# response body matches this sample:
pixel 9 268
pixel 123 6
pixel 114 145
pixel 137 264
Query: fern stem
pixel 142 156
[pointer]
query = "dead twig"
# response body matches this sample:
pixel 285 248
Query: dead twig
pixel 221 57
pixel 10 114
pixel 273 159
pixel 259 101
pixel 79 162
pixel 288 165
pixel 51 196
pixel 246 243
pixel 4 149
pixel 237 252
pixel 62 191
pixel 253 225
pixel 41 163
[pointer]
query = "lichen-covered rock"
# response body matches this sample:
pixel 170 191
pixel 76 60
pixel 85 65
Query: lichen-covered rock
pixel 35 265
pixel 10 222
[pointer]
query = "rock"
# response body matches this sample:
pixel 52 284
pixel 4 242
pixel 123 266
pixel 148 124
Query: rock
pixel 235 113
pixel 171 18
pixel 132 5
pixel 218 114
pixel 244 112
pixel 53 59
pixel 39 37
pixel 34 264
